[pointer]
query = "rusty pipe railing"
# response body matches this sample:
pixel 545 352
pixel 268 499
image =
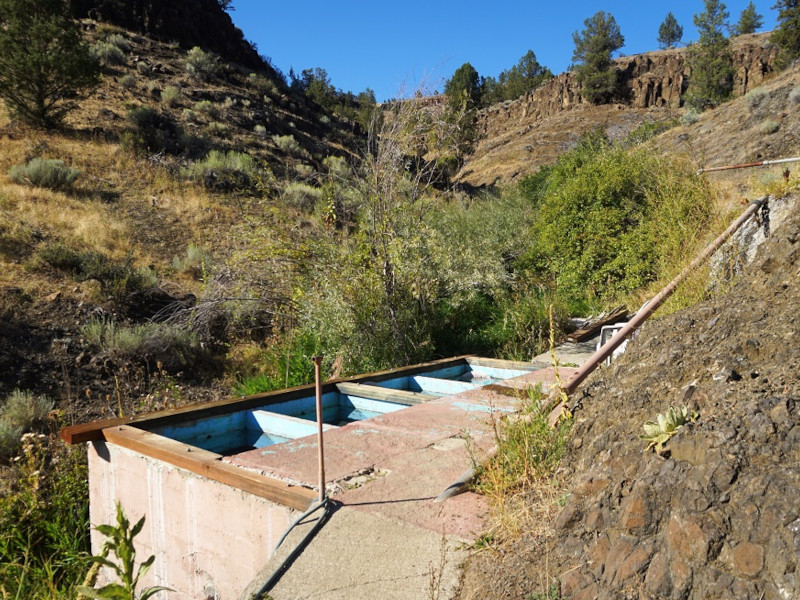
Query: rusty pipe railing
pixel 763 163
pixel 321 451
pixel 460 485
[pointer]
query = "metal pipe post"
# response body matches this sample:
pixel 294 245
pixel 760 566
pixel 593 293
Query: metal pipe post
pixel 317 364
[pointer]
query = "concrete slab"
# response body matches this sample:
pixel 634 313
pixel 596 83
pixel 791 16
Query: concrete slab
pixel 366 556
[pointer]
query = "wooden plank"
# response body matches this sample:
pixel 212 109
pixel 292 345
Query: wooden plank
pixel 208 464
pixel 496 363
pixel 373 392
pixel 88 432
pixel 593 328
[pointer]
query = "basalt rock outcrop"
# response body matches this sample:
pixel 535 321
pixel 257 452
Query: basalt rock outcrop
pixel 517 136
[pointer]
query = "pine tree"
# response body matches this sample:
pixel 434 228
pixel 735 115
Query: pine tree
pixel 44 62
pixel 670 32
pixel 593 47
pixel 787 33
pixel 464 87
pixel 749 21
pixel 711 79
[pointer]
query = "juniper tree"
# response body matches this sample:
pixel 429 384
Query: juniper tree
pixel 593 47
pixel 669 32
pixel 45 65
pixel 749 21
pixel 711 79
pixel 787 33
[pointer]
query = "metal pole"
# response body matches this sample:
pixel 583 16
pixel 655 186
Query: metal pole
pixel 321 454
pixel 763 163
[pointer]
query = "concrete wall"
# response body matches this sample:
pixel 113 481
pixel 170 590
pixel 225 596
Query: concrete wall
pixel 209 539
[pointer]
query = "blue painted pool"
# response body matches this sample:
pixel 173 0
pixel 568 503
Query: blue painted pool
pixel 355 400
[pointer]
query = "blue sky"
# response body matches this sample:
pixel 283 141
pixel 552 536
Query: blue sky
pixel 392 48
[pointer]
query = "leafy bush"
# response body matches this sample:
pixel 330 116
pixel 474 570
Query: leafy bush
pixel 612 220
pixel 260 131
pixel 41 172
pixel 768 127
pixel 262 84
pixel 225 170
pixel 202 65
pixel 119 540
pixel 108 54
pixel 171 96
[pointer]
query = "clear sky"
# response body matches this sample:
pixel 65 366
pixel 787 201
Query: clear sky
pixel 392 48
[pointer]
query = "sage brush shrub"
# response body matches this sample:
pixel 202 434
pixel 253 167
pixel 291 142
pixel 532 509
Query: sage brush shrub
pixel 225 171
pixel 108 54
pixel 171 96
pixel 172 345
pixel 18 413
pixel 769 126
pixel 202 65
pixel 47 173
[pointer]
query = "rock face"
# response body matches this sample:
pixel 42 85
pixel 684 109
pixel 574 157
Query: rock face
pixel 650 86
pixel 716 515
pixel 198 23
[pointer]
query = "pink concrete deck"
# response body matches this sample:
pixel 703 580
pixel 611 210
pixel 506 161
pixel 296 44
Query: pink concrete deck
pixel 415 453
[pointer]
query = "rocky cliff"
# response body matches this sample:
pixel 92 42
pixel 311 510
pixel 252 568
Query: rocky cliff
pixel 518 136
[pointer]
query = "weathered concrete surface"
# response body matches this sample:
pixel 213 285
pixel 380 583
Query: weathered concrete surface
pixel 197 528
pixel 388 539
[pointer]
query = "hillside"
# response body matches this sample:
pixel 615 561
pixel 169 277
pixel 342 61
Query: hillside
pixel 713 516
pixel 138 206
pixel 516 137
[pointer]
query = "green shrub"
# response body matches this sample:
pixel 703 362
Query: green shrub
pixel 18 413
pixel 120 41
pixel 144 69
pixel 152 131
pixel 768 127
pixel 301 195
pixel 117 278
pixel 108 54
pixel 202 65
pixel 216 128
pixel 46 173
pixel 611 220
pixel 689 117
pixel 262 84
pixel 207 108
pixel 44 521
pixel 754 98
pixel 128 82
pixel 289 145
pixel 197 262
pixel 171 96
pixel 297 351
pixel 174 346
pixel 260 131
pixel 225 170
